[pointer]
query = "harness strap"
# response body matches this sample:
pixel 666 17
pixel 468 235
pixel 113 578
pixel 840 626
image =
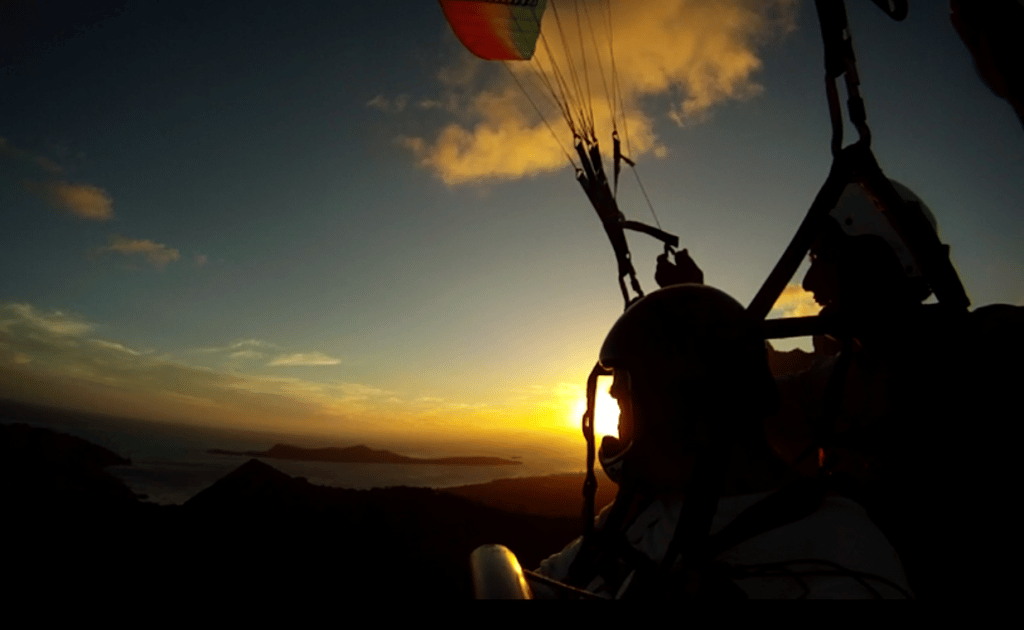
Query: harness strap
pixel 602 547
pixel 790 504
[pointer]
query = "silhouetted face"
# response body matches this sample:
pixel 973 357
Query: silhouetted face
pixel 648 409
pixel 822 279
pixel 852 274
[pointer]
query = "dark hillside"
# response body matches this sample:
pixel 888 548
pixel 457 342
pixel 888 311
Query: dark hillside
pixel 553 495
pixel 41 469
pixel 256 532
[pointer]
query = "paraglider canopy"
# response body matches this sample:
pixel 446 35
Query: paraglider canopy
pixel 495 30
pixel 510 31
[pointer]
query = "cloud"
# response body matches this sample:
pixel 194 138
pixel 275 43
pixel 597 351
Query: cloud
pixel 238 345
pixel 46 358
pixel 52 358
pixel 10 151
pixel 696 53
pixel 246 354
pixel 56 323
pixel 308 358
pixel 431 104
pixel 395 105
pixel 362 391
pixel 157 254
pixel 114 346
pixel 795 302
pixel 506 144
pixel 201 260
pixel 84 200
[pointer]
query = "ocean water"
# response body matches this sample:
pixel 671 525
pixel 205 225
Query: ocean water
pixel 170 463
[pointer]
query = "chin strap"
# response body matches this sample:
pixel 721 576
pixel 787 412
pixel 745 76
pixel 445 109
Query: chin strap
pixel 599 548
pixel 590 484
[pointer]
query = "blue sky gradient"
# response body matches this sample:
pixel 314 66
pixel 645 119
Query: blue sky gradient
pixel 244 236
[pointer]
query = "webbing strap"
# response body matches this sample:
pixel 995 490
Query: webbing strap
pixel 790 504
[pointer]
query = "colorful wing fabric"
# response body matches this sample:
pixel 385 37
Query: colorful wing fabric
pixel 496 29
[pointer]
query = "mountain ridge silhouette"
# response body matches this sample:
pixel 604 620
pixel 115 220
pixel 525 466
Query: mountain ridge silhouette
pixel 362 454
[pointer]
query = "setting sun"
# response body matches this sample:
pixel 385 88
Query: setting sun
pixel 606 414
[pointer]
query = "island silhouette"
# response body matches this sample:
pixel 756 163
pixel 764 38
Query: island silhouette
pixel 362 454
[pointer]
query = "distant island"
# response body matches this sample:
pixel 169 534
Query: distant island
pixel 362 455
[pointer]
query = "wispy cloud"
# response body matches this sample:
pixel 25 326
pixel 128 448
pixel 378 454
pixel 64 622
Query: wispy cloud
pixel 698 54
pixel 10 151
pixel 55 323
pixel 432 104
pixel 110 345
pixel 49 357
pixel 795 302
pixel 362 391
pixel 54 358
pixel 246 354
pixel 303 358
pixel 83 200
pixel 392 105
pixel 157 254
pixel 239 345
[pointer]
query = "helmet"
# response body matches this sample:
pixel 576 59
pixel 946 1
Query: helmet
pixel 859 214
pixel 694 370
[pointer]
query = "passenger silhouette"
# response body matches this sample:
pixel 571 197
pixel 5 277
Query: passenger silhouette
pixel 897 442
pixel 692 458
pixel 912 436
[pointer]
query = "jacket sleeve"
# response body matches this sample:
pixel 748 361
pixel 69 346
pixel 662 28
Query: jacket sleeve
pixel 556 567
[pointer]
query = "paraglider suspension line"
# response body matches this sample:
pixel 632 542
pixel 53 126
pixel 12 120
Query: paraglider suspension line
pixel 537 109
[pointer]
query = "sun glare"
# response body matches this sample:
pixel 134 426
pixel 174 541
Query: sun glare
pixel 606 414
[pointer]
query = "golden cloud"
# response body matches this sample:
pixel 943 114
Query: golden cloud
pixel 795 302
pixel 506 144
pixel 88 202
pixel 307 358
pixel 701 53
pixel 157 254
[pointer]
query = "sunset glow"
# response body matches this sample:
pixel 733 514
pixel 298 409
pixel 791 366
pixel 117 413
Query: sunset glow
pixel 237 220
pixel 606 410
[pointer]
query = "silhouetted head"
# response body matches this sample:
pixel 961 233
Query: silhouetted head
pixel 859 263
pixel 690 372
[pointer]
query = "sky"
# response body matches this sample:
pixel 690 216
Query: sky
pixel 333 219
